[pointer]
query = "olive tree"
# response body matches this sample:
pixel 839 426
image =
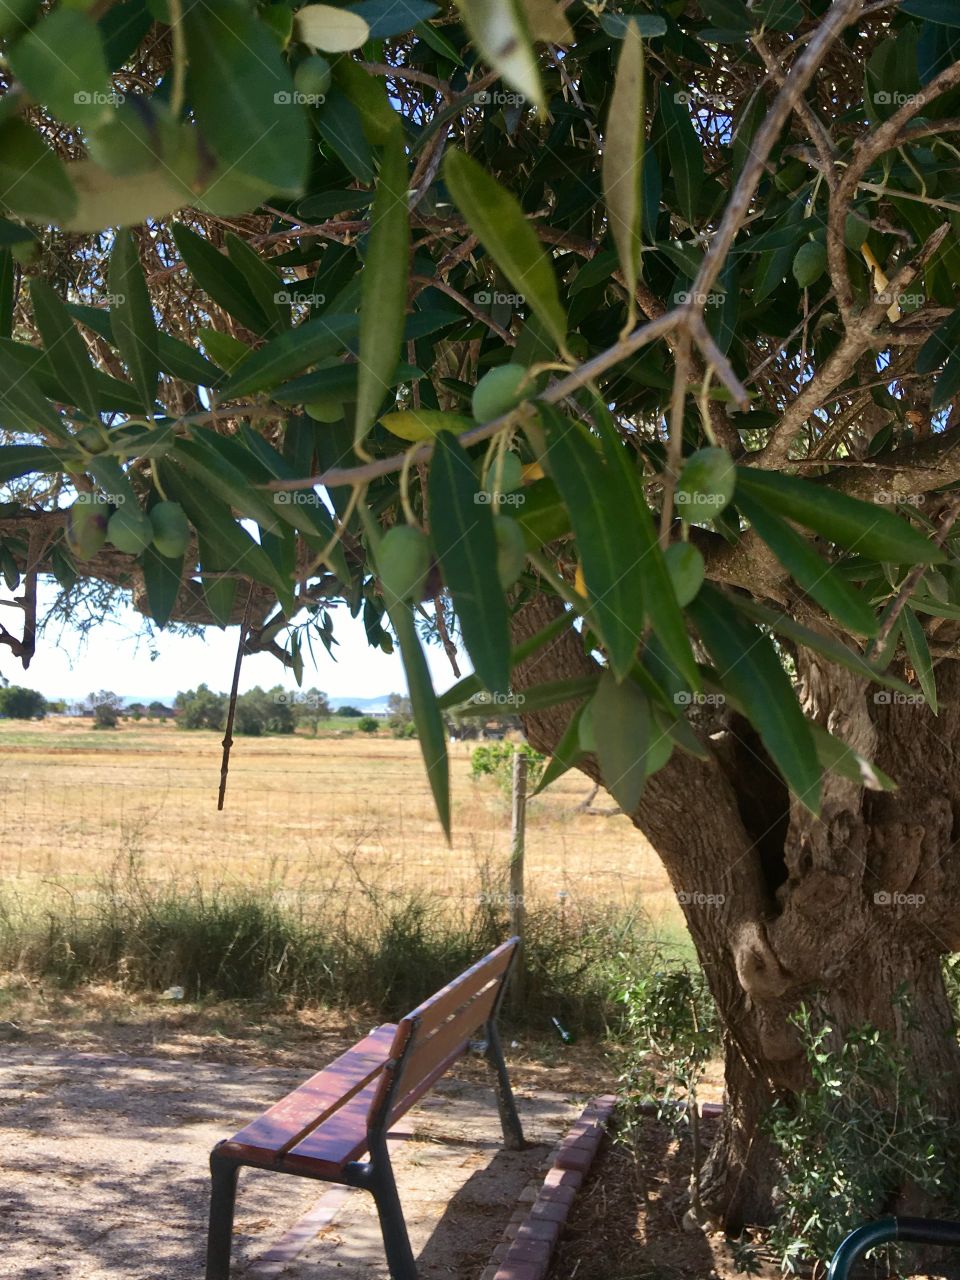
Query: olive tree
pixel 614 348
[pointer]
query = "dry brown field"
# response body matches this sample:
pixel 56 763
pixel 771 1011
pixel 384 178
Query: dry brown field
pixel 309 815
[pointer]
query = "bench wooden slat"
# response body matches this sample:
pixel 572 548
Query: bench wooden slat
pixel 448 999
pixel 454 1034
pixel 343 1137
pixel 432 1013
pixel 309 1106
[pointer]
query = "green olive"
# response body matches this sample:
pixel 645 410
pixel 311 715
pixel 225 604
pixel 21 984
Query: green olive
pixel 171 530
pixel 313 77
pixel 328 410
pixel 129 529
pixel 403 562
pixel 86 527
pixel 686 569
pixel 499 391
pixel 809 264
pixel 706 484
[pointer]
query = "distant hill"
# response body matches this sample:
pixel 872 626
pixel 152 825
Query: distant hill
pixel 363 704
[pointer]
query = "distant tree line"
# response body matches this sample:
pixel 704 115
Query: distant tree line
pixel 278 710
pixel 259 711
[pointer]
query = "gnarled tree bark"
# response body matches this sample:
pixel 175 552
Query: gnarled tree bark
pixel 848 910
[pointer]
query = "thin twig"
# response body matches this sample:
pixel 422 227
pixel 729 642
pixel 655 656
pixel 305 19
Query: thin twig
pixel 840 14
pixel 232 709
pixel 449 648
pixel 431 282
pixel 671 471
pixel 947 521
pixel 559 390
pixel 410 74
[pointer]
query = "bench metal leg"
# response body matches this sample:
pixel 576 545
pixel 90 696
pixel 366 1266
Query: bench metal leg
pixel 223 1194
pixel 396 1242
pixel 513 1138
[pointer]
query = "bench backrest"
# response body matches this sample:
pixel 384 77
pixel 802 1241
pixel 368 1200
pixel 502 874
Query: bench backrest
pixel 430 1038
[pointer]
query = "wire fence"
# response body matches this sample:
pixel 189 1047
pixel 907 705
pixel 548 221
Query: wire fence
pixel 306 818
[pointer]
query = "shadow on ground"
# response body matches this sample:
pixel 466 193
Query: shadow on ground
pixel 103 1171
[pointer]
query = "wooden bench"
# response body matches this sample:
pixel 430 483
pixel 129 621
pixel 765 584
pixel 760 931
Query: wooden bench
pixel 321 1129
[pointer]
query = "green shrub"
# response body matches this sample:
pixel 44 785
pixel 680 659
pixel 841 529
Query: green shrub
pixel 865 1128
pixel 846 1145
pixel 495 760
pixel 361 949
pixel 105 715
pixel 368 724
pixel 670 1024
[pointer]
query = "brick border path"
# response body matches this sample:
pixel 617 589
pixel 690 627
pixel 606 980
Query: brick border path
pixel 529 1240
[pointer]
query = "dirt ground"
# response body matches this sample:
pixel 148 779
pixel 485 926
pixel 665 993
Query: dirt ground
pixel 105 1131
pixel 627 1223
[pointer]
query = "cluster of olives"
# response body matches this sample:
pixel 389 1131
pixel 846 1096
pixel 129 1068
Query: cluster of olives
pixel 90 523
pixel 404 557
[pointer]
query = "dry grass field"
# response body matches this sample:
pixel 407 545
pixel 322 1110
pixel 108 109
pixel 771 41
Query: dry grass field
pixel 314 816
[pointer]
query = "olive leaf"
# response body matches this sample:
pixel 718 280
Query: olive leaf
pixel 623 725
pixel 23 405
pixel 241 93
pixel 499 30
pixel 220 278
pixel 810 571
pixel 426 707
pixel 131 318
pixel 623 148
pixel 747 665
pixel 463 538
pixel 384 287
pixel 920 659
pixel 61 63
pixel 323 26
pixel 860 526
pixel 683 148
pixel 65 349
pixel 613 571
pixel 103 199
pixel 497 219
pixel 33 178
pixel 292 352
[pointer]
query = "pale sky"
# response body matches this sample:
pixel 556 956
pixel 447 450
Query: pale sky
pixel 113 656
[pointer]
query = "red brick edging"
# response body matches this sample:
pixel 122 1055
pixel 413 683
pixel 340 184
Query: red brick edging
pixel 530 1238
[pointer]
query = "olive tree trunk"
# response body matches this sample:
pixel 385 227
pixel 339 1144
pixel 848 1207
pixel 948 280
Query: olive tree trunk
pixel 849 909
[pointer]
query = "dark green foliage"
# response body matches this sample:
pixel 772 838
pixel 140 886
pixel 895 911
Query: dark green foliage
pixel 266 711
pixel 671 1030
pixel 868 1125
pixel 626 172
pixel 201 708
pixel 22 704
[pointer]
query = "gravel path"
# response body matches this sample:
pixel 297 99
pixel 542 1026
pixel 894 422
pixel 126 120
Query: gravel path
pixel 103 1173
